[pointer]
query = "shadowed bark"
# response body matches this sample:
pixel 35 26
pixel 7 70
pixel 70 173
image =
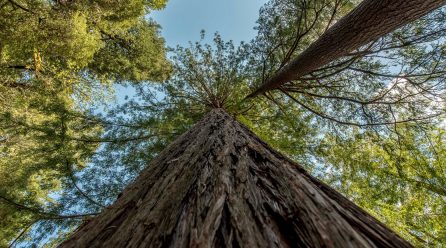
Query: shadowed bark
pixel 367 22
pixel 219 185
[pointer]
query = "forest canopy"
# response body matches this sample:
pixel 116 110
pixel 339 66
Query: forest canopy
pixel 370 124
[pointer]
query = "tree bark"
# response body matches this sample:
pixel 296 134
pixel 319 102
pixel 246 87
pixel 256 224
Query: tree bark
pixel 219 185
pixel 368 21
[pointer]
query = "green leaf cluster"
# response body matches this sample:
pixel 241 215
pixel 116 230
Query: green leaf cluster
pixel 57 58
pixel 400 180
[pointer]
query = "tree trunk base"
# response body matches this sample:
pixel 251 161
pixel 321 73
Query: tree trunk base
pixel 219 185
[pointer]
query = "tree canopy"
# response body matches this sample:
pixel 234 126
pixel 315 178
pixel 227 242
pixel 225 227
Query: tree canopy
pixel 56 57
pixel 370 124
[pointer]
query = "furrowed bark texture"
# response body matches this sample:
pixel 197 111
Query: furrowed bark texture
pixel 368 21
pixel 219 185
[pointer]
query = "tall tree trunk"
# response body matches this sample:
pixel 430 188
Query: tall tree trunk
pixel 219 185
pixel 368 21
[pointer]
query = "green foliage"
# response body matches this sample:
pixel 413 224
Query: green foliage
pixel 211 76
pixel 132 54
pixel 78 41
pixel 56 59
pixel 39 148
pixel 401 180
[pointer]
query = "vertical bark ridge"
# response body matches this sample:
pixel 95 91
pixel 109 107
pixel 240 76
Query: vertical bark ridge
pixel 219 185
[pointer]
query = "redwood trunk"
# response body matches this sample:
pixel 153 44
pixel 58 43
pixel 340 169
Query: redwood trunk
pixel 219 185
pixel 367 22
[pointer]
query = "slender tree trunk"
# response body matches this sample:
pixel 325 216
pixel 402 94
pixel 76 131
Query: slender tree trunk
pixel 219 185
pixel 367 22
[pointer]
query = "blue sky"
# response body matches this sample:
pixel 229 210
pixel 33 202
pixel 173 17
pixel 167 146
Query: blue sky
pixel 182 20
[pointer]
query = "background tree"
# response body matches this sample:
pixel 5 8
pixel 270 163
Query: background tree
pixel 368 21
pixel 390 91
pixel 392 74
pixel 56 59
